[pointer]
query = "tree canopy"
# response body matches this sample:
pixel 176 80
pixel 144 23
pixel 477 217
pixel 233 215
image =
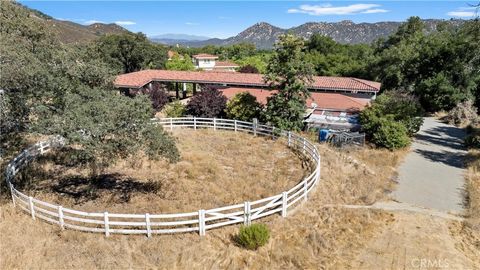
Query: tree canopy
pixel 288 72
pixel 180 63
pixel 50 88
pixel 244 106
pixel 131 52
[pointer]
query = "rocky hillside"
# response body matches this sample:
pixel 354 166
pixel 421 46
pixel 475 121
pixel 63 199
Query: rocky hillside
pixel 70 32
pixel 263 35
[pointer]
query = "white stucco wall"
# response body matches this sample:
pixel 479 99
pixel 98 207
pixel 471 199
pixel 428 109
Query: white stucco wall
pixel 206 64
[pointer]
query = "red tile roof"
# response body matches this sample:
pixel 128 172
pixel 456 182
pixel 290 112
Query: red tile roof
pixel 205 56
pixel 225 64
pixel 324 100
pixel 141 78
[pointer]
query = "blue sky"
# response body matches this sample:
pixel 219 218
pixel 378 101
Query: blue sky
pixel 227 18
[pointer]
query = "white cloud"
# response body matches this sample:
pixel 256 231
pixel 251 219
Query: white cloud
pixel 328 9
pixel 125 23
pixel 191 23
pixel 462 14
pixel 375 10
pixel 92 22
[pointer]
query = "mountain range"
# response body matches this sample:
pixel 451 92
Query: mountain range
pixel 263 34
pixel 172 39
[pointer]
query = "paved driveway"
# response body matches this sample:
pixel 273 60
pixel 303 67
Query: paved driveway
pixel 432 173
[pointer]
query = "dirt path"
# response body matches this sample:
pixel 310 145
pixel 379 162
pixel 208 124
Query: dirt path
pixel 432 174
pixel 429 195
pixel 417 241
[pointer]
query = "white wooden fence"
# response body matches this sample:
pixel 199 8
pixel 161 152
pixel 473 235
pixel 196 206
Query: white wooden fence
pixel 148 224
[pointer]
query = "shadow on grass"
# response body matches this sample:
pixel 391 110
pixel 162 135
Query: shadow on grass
pixel 83 189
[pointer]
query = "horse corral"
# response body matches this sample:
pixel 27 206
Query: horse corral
pixel 199 221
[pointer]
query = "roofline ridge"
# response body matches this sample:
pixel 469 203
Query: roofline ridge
pixel 360 81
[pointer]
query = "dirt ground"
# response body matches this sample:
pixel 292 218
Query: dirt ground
pixel 417 241
pixel 313 236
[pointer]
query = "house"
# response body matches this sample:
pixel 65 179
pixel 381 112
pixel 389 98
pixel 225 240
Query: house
pixel 334 101
pixel 209 62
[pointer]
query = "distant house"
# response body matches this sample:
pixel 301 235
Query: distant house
pixel 209 62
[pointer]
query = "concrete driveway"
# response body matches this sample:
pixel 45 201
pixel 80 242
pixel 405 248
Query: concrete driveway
pixel 432 174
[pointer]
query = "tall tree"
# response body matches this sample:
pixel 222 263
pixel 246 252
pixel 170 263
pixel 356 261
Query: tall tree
pixel 180 62
pixel 131 52
pixel 288 72
pixel 58 89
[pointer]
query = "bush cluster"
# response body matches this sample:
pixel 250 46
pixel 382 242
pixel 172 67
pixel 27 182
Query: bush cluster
pixel 392 119
pixel 473 136
pixel 244 106
pixel 252 237
pixel 175 109
pixel 210 102
pixel 464 113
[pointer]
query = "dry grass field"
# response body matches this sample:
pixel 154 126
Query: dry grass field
pixel 310 237
pixel 473 188
pixel 216 169
pixel 471 227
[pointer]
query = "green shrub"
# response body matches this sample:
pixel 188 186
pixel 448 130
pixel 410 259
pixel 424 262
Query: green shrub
pixel 210 102
pixel 243 106
pixel 391 135
pixel 392 119
pixel 473 136
pixel 472 141
pixel 175 109
pixel 253 236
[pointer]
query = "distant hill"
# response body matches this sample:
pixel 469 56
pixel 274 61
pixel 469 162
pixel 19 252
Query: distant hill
pixel 263 34
pixel 70 32
pixel 172 39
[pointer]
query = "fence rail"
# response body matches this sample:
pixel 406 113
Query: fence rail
pixel 148 224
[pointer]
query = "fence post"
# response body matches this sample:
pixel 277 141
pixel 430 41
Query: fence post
pixel 284 204
pixel 194 123
pixel 214 123
pixel 246 214
pixel 11 192
pixel 147 221
pixel 107 227
pixel 304 141
pixel 201 222
pixel 319 167
pixel 41 148
pixel 289 138
pixel 235 124
pixel 305 191
pixel 273 132
pixel 32 210
pixel 61 222
pixel 171 123
pixel 255 123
